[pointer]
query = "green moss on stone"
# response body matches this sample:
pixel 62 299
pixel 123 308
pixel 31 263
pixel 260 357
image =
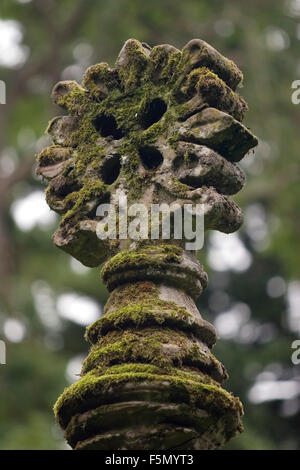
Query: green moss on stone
pixel 135 65
pixel 94 189
pixel 70 96
pixel 136 259
pixel 54 154
pixel 135 293
pixel 163 347
pixel 99 79
pixel 141 315
pixel 184 386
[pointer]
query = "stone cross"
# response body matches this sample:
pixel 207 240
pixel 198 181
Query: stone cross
pixel 163 126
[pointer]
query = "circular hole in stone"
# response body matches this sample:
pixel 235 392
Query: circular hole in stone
pixel 153 112
pixel 151 157
pixel 107 126
pixel 110 169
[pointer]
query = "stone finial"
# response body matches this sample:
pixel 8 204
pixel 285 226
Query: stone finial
pixel 164 126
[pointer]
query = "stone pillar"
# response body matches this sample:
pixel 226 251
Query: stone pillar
pixel 164 126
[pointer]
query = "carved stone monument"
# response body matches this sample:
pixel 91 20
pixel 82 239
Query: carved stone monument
pixel 164 126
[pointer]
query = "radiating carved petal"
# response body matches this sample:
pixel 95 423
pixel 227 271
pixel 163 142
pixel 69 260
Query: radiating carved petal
pixel 198 53
pixel 213 92
pixel 52 160
pixel 219 131
pixel 220 212
pixel 132 63
pixel 164 61
pixel 100 79
pixel 80 240
pixel 197 165
pixel 68 95
pixel 61 128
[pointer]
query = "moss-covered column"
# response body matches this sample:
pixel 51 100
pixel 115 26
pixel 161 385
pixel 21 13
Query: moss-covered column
pixel 164 126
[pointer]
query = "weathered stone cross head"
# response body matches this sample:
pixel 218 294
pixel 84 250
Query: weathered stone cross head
pixel 164 126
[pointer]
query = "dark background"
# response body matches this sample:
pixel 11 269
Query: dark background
pixel 253 296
